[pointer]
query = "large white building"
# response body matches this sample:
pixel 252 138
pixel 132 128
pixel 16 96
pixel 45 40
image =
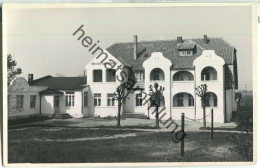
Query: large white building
pixel 177 65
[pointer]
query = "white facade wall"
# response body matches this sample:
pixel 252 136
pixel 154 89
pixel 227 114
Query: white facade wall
pixel 76 110
pixel 104 87
pixel 131 104
pixel 20 86
pixel 47 105
pixel 187 86
pixel 209 58
pixel 157 60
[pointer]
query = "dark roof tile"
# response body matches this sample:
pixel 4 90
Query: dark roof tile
pixel 61 83
pixel 124 51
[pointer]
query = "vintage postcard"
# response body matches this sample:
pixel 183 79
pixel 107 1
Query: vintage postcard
pixel 129 84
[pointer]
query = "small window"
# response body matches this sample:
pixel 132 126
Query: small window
pixel 185 53
pixel 69 99
pixel 97 99
pixel 19 101
pixel 110 100
pixel 85 99
pixel 97 75
pixel 138 100
pixel 32 101
pixel 56 101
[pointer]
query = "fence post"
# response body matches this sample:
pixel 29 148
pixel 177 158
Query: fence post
pixel 212 116
pixel 182 128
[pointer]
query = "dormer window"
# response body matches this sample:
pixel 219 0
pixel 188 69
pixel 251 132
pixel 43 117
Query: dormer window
pixel 186 53
pixel 186 48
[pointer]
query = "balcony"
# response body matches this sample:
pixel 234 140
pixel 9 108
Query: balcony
pixel 181 86
pixel 139 84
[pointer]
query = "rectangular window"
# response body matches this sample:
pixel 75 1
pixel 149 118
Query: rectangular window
pixel 138 100
pixel 19 101
pixel 110 100
pixel 97 99
pixel 56 101
pixel 180 100
pixel 191 100
pixel 85 99
pixel 111 75
pixel 69 99
pixel 97 75
pixel 32 101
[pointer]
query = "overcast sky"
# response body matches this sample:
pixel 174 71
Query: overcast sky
pixel 41 40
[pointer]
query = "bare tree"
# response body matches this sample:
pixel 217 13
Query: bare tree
pixel 201 91
pixel 156 95
pixel 121 93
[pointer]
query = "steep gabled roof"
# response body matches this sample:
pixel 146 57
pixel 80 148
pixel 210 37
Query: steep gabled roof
pixel 124 51
pixel 61 83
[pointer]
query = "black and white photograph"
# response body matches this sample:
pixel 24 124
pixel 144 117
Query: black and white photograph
pixel 143 84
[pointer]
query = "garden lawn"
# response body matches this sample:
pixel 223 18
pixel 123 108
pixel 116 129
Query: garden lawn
pixel 125 123
pixel 84 145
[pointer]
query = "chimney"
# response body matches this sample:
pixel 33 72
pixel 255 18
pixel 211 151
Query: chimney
pixel 30 78
pixel 179 39
pixel 135 47
pixel 205 39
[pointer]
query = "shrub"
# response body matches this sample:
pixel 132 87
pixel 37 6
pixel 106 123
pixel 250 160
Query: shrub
pixel 244 116
pixel 243 145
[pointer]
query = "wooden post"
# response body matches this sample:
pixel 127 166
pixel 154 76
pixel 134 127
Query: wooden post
pixel 212 121
pixel 182 128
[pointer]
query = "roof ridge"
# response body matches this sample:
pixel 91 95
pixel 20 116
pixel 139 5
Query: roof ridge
pixel 150 41
pixel 42 78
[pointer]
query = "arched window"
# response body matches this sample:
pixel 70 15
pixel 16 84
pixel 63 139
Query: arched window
pixel 183 99
pixel 211 100
pixel 208 73
pixel 183 76
pixel 157 74
pixel 111 75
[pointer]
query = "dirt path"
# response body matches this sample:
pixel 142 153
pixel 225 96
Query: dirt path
pixel 82 139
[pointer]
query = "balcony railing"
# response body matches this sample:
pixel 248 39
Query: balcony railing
pixel 139 84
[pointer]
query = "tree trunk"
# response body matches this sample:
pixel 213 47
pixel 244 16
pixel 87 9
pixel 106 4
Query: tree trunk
pixel 118 114
pixel 157 116
pixel 204 116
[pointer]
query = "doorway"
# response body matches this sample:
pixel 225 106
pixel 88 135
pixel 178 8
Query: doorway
pixel 56 104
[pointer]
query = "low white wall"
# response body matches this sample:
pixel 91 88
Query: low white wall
pixel 105 111
pixel 164 113
pixel 47 105
pixel 177 112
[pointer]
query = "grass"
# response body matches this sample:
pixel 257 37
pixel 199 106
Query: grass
pixel 125 123
pixel 71 141
pixel 33 145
